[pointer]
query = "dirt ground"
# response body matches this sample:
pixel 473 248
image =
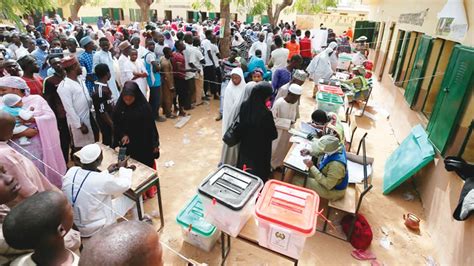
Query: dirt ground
pixel 195 150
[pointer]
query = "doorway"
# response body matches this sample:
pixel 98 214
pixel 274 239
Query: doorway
pixel 385 54
pixel 168 15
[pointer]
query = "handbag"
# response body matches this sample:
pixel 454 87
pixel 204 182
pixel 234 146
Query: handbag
pixel 233 133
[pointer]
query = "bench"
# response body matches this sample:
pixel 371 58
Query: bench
pixel 354 193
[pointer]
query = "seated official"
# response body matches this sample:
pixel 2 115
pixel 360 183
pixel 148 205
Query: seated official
pixel 327 124
pixel 330 178
pixel 96 196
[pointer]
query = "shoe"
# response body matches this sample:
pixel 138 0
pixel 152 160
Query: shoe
pixel 160 119
pixel 216 97
pixel 171 116
pixel 205 98
pixel 219 118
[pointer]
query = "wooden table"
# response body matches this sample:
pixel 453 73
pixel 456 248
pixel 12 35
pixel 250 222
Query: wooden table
pixel 143 178
pixel 299 169
pixel 248 234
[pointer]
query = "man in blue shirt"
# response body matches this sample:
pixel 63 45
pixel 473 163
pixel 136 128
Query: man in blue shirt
pixel 86 59
pixel 154 80
pixel 41 53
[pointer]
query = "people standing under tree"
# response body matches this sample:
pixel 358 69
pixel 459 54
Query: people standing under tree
pixel 258 131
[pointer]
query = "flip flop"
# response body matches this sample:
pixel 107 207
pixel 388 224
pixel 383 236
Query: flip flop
pixel 361 254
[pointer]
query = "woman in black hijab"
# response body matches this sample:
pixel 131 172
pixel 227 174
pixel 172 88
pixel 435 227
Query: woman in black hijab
pixel 134 125
pixel 257 132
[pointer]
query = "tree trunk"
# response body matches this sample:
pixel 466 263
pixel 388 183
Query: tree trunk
pixel 273 18
pixel 75 9
pixel 144 8
pixel 225 15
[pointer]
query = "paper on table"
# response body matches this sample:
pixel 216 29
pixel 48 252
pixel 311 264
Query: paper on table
pixel 307 128
pixel 295 159
pixel 356 171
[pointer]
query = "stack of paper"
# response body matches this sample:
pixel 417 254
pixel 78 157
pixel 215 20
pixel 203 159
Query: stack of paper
pixel 356 171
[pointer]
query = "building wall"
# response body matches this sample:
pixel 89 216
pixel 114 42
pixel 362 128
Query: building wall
pixel 338 20
pixel 439 189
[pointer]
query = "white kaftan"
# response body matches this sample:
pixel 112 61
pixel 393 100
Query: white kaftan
pixel 77 104
pixel 284 114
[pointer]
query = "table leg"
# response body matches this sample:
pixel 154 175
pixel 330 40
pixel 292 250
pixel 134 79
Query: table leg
pixel 139 204
pixel 160 205
pixel 224 251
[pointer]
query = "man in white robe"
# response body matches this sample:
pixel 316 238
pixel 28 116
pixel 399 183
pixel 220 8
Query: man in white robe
pixel 260 45
pixel 77 103
pixel 97 197
pixel 320 68
pixel 126 66
pixel 104 56
pixel 285 113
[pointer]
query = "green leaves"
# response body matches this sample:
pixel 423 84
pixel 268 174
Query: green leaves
pixel 13 9
pixel 202 4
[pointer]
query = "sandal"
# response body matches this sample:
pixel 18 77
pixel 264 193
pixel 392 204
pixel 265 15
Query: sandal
pixel 361 254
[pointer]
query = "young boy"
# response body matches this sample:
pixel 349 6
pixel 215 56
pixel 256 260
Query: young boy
pixel 103 102
pixel 14 106
pixel 40 222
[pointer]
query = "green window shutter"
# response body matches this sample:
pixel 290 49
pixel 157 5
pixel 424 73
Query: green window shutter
pixel 212 15
pixel 249 19
pixel 116 13
pixel 264 19
pixel 401 55
pixel 106 12
pixel 458 82
pixel 419 68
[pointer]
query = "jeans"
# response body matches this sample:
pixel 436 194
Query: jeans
pixel 190 94
pixel 155 101
pixel 223 86
pixel 181 92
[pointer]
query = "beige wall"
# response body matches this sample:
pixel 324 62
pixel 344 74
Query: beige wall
pixel 438 188
pixel 339 20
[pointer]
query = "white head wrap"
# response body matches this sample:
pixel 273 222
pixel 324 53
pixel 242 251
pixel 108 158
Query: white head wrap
pixel 15 83
pixel 295 89
pixel 11 99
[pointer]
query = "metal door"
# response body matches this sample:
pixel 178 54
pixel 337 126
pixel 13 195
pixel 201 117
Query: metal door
pixel 458 82
pixel 419 68
pixel 401 56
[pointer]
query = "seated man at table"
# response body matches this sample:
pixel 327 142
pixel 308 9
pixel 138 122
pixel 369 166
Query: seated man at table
pixel 359 85
pixel 327 124
pixel 96 196
pixel 40 223
pixel 125 243
pixel 330 178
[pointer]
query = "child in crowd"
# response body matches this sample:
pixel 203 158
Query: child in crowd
pixel 14 106
pixel 103 102
pixel 40 222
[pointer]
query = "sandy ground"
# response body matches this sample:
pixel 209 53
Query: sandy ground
pixel 195 150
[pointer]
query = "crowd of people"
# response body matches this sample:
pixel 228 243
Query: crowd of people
pixel 65 86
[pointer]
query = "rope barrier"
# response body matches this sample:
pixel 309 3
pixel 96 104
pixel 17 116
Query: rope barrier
pixel 100 202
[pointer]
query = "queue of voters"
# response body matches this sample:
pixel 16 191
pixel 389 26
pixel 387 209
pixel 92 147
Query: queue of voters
pixel 84 110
